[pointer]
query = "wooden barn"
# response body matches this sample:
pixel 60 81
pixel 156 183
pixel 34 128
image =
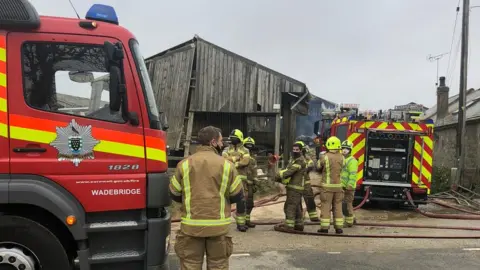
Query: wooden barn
pixel 198 83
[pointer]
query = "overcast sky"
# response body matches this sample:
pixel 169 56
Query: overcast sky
pixel 371 52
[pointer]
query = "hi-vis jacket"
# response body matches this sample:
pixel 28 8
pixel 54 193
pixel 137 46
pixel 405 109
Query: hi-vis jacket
pixel 349 173
pixel 330 165
pixel 240 156
pixel 293 177
pixel 310 167
pixel 207 184
pixel 252 171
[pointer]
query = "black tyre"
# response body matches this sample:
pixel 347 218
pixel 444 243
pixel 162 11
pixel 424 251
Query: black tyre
pixel 35 240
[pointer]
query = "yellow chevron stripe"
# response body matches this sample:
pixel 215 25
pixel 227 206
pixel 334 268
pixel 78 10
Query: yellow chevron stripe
pixel 3 55
pixel 110 147
pixel 425 155
pixel 428 142
pixel 424 172
pixel 415 178
pixel 3 105
pixel 383 125
pixel 3 130
pixel 3 79
pixel 353 136
pixel 398 126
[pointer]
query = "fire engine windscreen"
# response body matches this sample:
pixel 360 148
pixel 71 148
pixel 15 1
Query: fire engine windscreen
pixel 68 78
pixel 387 157
pixel 153 113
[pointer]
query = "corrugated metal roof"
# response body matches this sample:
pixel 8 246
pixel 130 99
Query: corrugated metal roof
pixel 473 108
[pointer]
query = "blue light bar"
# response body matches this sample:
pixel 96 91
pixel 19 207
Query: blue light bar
pixel 102 13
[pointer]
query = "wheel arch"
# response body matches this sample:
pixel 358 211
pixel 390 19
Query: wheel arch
pixel 40 192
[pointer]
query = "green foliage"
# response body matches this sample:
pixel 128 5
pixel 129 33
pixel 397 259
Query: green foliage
pixel 266 187
pixel 440 179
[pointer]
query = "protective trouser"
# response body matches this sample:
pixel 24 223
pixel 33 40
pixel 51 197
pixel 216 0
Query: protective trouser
pixel 240 216
pixel 249 202
pixel 309 199
pixel 349 215
pixel 331 201
pixel 293 208
pixel 190 251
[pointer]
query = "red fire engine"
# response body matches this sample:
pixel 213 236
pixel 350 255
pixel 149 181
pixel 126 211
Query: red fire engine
pixel 83 165
pixel 393 156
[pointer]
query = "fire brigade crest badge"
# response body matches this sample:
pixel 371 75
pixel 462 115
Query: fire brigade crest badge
pixel 74 143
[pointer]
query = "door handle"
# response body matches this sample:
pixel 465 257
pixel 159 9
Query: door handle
pixel 29 150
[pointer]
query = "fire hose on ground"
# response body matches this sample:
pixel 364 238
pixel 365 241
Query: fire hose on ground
pixel 470 216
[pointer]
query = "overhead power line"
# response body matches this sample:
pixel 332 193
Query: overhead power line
pixel 453 38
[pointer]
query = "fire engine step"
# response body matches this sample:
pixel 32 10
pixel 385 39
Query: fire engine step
pixel 114 257
pixel 111 226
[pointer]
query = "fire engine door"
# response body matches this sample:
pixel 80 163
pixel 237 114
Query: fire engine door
pixel 61 126
pixel 4 153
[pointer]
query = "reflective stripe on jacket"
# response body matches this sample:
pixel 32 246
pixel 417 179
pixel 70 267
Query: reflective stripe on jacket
pixel 349 173
pixel 293 177
pixel 206 181
pixel 252 171
pixel 331 165
pixel 240 156
pixel 310 167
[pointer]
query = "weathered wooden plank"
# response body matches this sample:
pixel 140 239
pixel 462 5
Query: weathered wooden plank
pixel 170 81
pixel 227 82
pixel 188 139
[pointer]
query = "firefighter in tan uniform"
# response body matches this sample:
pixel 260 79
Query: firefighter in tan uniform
pixel 293 178
pixel 240 156
pixel 249 143
pixel 349 181
pixel 330 165
pixel 308 195
pixel 205 184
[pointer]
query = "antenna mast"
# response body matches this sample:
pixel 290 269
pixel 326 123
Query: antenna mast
pixel 78 16
pixel 436 58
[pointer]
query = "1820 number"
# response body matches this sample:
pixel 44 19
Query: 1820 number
pixel 123 167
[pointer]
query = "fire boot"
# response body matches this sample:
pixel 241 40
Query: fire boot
pixel 338 231
pixel 285 227
pixel 315 219
pixel 249 224
pixel 242 228
pixel 322 231
pixel 298 228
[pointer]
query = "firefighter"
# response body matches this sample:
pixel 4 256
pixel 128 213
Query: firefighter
pixel 206 184
pixel 308 195
pixel 349 180
pixel 240 156
pixel 249 143
pixel 293 178
pixel 331 195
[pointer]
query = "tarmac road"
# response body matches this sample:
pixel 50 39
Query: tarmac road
pixel 464 259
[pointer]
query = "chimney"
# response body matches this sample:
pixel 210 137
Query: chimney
pixel 442 101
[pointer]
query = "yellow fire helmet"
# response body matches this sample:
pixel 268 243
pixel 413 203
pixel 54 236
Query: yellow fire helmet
pixel 333 143
pixel 347 144
pixel 236 133
pixel 249 142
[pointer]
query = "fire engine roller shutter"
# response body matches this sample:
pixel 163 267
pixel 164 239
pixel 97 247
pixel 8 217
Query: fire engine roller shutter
pixel 423 150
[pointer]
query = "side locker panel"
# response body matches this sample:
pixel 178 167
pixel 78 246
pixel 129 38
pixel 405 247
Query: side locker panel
pixel 4 143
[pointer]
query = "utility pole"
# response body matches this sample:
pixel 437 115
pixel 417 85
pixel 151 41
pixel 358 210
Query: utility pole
pixel 437 59
pixel 461 125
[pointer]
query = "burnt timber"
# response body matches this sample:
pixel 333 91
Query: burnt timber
pixel 198 83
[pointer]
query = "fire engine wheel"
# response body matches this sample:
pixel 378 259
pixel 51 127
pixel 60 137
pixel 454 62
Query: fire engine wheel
pixel 27 245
